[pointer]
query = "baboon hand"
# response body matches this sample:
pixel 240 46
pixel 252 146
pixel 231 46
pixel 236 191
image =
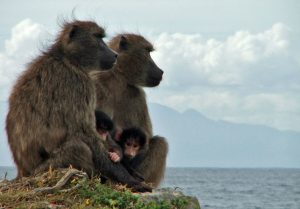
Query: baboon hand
pixel 141 187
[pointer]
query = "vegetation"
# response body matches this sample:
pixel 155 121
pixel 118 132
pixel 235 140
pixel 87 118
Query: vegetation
pixel 70 188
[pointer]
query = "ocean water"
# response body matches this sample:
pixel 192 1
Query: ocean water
pixel 238 188
pixel 219 188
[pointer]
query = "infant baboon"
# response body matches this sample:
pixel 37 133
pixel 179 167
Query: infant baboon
pixel 132 142
pixel 51 119
pixel 120 94
pixel 104 126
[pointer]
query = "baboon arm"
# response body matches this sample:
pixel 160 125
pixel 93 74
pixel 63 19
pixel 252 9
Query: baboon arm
pixel 132 171
pixel 153 166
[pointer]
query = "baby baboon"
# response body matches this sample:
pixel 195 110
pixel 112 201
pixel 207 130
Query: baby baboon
pixel 104 126
pixel 120 94
pixel 51 119
pixel 132 142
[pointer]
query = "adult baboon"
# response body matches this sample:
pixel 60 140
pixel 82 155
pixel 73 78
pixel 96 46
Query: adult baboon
pixel 51 119
pixel 120 95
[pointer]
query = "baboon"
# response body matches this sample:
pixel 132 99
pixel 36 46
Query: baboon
pixel 51 119
pixel 120 95
pixel 132 142
pixel 104 126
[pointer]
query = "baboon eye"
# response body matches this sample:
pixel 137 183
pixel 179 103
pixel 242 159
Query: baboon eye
pixel 149 49
pixel 99 35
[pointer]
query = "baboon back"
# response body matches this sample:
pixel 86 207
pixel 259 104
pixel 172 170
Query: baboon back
pixel 42 111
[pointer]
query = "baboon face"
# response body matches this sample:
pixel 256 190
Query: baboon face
pixel 83 44
pixel 135 60
pixel 131 148
pixel 132 140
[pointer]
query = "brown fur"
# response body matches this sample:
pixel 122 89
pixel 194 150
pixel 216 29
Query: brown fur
pixel 51 120
pixel 120 94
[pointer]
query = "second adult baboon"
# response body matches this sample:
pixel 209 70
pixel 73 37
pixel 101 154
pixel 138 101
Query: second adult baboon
pixel 120 94
pixel 51 120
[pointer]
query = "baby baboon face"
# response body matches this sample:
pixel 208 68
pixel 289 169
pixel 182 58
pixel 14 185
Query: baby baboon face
pixel 132 141
pixel 131 148
pixel 83 44
pixel 135 60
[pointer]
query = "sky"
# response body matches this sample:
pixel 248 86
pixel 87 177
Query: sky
pixel 231 60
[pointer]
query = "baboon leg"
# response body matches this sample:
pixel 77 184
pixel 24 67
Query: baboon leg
pixel 153 166
pixel 73 153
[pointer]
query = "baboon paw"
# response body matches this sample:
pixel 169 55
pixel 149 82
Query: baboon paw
pixel 141 188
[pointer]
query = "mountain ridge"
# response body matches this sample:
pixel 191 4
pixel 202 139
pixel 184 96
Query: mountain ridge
pixel 198 141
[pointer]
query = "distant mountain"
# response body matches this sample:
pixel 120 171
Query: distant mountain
pixel 196 140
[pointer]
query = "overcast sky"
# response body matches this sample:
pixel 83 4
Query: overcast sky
pixel 230 60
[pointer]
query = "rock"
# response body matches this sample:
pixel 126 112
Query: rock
pixel 172 195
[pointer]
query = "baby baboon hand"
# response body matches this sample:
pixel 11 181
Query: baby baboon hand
pixel 114 157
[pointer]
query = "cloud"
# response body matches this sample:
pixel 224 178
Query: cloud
pixel 218 62
pixel 250 78
pixel 247 77
pixel 18 51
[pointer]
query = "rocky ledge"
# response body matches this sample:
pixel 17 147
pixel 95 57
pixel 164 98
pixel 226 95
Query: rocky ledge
pixel 70 188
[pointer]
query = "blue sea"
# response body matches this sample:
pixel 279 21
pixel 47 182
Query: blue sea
pixel 234 188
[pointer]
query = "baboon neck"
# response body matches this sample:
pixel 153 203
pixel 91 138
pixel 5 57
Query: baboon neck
pixel 70 65
pixel 56 52
pixel 120 76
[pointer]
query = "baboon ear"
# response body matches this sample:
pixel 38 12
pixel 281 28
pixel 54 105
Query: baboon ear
pixel 73 31
pixel 123 43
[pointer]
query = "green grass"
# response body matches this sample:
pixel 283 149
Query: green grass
pixel 103 196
